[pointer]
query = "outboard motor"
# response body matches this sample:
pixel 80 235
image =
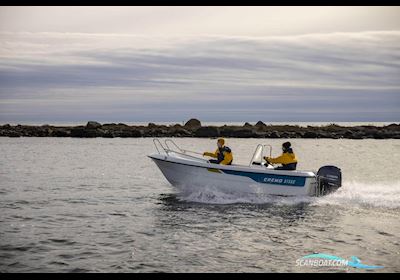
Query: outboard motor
pixel 329 179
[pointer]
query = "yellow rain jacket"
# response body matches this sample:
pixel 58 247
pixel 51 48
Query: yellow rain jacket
pixel 286 158
pixel 224 155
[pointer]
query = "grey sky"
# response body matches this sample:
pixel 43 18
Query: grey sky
pixel 214 63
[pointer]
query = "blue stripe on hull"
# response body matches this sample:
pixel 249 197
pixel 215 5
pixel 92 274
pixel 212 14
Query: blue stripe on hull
pixel 292 181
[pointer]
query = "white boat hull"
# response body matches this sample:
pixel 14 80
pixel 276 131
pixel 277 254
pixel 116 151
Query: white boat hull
pixel 190 175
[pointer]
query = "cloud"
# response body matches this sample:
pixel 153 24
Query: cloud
pixel 185 20
pixel 303 77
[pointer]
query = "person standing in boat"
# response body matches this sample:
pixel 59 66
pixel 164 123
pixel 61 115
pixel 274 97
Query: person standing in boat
pixel 287 159
pixel 223 154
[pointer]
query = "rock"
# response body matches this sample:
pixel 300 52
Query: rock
pixel 152 125
pixel 77 132
pixel 393 126
pixel 331 128
pixel 348 134
pixel 357 136
pixel 274 134
pixel 83 132
pixel 179 130
pixel 122 130
pixel 193 128
pixel 13 134
pixel 379 135
pixel 109 124
pixel 324 134
pixel 155 132
pixel 333 136
pixel 244 133
pixel 108 134
pixel 299 134
pixel 285 135
pixel 60 133
pixel 207 131
pixel 262 134
pixel 93 124
pixel 261 124
pixel 42 132
pixel 126 133
pixel 226 131
pixel 193 124
pixel 239 132
pixel 310 134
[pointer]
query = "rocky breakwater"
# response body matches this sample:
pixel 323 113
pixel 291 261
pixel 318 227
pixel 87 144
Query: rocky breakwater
pixel 194 128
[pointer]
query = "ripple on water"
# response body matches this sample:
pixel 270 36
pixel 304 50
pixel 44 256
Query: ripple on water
pixel 79 270
pixel 58 263
pixel 62 241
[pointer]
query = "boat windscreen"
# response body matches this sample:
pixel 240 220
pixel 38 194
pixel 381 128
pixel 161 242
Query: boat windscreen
pixel 257 157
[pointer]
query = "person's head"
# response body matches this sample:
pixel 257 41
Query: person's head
pixel 286 146
pixel 220 142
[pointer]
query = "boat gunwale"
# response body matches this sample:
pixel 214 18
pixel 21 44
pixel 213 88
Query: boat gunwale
pixel 229 167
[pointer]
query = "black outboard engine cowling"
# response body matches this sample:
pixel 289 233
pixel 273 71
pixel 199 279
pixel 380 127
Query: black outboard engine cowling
pixel 329 179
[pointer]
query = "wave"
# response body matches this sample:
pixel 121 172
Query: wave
pixel 357 194
pixel 213 196
pixel 370 195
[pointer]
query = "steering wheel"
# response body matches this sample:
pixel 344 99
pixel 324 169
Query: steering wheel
pixel 266 161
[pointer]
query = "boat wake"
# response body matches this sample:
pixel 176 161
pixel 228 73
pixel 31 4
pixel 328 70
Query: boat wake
pixel 351 193
pixel 375 195
pixel 211 195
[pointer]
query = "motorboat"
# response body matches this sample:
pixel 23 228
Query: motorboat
pixel 187 171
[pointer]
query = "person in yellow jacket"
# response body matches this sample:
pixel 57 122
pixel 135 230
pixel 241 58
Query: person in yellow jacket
pixel 287 159
pixel 223 154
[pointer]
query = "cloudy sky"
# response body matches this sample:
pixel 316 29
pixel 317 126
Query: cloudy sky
pixel 228 64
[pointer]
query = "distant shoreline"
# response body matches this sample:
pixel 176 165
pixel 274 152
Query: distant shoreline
pixel 194 128
pixel 214 123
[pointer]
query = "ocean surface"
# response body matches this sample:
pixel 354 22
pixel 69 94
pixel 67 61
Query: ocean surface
pixel 101 205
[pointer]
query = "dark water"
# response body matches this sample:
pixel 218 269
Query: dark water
pixel 100 205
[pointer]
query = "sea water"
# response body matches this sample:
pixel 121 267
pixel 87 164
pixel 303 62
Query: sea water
pixel 101 205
